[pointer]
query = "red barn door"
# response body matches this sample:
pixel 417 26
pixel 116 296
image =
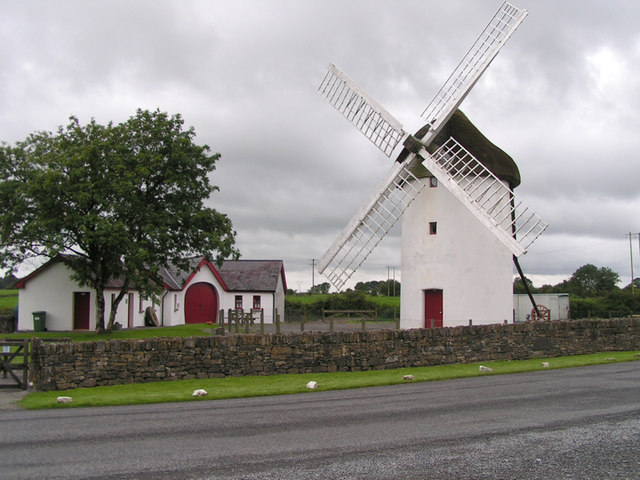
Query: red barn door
pixel 200 304
pixel 433 308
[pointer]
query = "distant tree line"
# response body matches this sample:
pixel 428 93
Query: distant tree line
pixel 8 282
pixel 387 288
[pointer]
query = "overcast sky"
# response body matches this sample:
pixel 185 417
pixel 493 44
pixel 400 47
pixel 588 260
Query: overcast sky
pixel 562 98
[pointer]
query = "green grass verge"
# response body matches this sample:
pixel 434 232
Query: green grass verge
pixel 191 330
pixel 238 387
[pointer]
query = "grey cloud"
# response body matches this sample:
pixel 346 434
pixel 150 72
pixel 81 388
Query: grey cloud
pixel 293 172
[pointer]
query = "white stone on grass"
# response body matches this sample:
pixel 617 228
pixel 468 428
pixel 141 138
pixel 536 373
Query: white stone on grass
pixel 545 364
pixel 484 369
pixel 312 385
pixel 408 377
pixel 63 399
pixel 199 393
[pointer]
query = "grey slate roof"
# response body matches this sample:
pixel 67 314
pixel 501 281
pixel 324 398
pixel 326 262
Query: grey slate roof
pixel 237 275
pixel 251 275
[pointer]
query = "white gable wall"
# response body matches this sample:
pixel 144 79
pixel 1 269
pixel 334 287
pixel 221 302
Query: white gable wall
pixel 50 291
pixel 173 301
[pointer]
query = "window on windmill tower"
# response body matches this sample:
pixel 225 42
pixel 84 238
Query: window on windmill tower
pixel 433 182
pixel 433 228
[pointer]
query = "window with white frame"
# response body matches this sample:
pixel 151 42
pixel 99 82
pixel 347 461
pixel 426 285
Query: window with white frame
pixel 257 302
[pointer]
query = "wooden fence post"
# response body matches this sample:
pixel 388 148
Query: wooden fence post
pixel 277 321
pixel 262 321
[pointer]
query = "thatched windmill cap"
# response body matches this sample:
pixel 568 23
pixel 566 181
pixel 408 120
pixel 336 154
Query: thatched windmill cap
pixel 466 133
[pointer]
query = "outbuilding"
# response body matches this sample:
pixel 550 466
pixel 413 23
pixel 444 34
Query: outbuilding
pixel 557 305
pixel 196 295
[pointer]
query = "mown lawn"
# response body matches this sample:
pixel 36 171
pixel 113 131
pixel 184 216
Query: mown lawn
pixel 8 300
pixel 237 387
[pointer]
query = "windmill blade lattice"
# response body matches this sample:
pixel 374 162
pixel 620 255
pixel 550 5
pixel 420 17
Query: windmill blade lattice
pixel 392 197
pixel 472 66
pixel 485 195
pixel 477 188
pixel 378 125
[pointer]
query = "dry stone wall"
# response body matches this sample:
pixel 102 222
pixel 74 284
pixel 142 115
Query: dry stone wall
pixel 59 366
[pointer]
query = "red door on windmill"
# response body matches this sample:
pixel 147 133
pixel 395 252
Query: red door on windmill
pixel 200 303
pixel 433 308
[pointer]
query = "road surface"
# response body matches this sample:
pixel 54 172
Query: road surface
pixel 578 423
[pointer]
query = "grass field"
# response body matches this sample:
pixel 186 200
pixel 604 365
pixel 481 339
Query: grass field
pixel 8 300
pixel 238 387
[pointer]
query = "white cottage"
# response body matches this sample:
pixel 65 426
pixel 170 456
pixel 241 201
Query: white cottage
pixel 194 296
pixel 453 268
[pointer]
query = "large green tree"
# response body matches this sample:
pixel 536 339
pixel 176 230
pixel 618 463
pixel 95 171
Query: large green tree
pixel 114 201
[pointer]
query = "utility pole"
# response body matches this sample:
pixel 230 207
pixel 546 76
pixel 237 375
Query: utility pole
pixel 631 235
pixel 394 281
pixel 389 279
pixel 388 269
pixel 313 272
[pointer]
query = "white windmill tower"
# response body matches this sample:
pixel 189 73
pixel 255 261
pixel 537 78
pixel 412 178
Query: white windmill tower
pixel 462 232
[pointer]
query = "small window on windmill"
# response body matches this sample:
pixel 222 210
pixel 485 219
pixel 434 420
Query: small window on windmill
pixel 433 182
pixel 433 228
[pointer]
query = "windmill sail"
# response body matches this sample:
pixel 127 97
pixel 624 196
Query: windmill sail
pixel 475 62
pixel 378 125
pixel 485 196
pixel 398 189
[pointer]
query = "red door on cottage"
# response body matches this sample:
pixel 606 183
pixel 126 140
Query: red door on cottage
pixel 200 303
pixel 81 309
pixel 433 308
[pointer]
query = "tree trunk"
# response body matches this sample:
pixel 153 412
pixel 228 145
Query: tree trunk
pixel 114 304
pixel 99 308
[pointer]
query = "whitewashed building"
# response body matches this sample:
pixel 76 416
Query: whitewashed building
pixel 453 268
pixel 557 304
pixel 194 296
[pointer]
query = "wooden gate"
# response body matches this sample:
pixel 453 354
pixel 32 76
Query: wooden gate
pixel 14 362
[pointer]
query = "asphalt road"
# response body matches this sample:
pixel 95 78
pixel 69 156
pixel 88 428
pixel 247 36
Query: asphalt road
pixel 559 424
